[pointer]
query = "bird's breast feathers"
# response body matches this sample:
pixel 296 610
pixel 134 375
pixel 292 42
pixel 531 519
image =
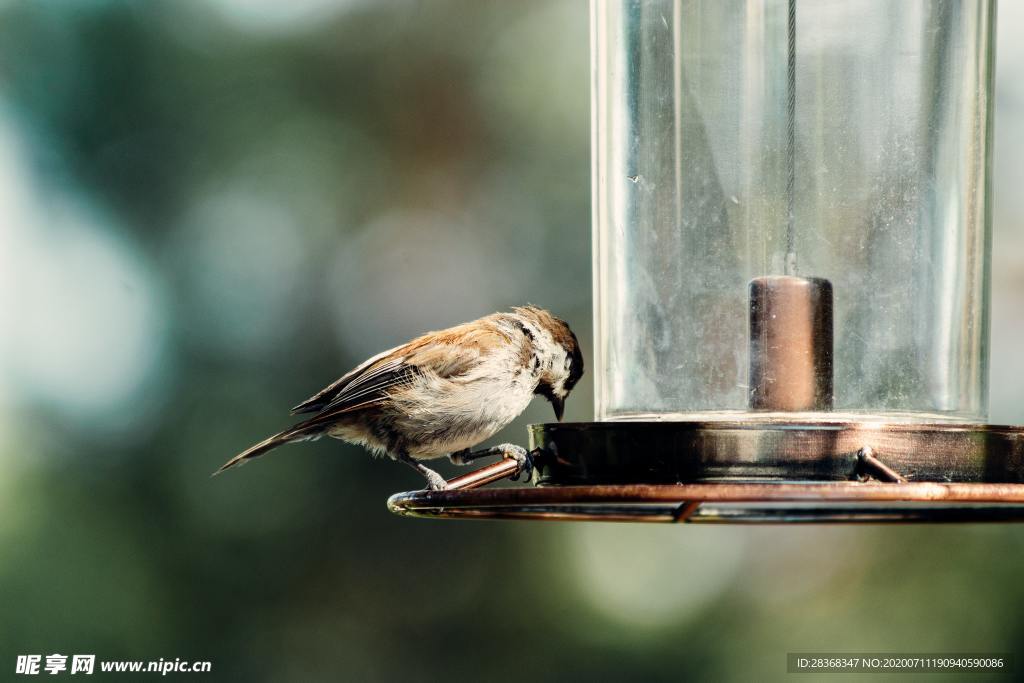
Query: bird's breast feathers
pixel 450 414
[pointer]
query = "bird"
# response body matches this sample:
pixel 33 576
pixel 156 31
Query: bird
pixel 444 392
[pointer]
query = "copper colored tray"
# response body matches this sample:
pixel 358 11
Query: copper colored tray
pixel 748 502
pixel 748 472
pixel 768 449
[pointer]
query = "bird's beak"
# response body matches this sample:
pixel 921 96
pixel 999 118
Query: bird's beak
pixel 559 405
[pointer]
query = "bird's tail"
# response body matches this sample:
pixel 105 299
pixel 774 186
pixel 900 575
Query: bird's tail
pixel 304 431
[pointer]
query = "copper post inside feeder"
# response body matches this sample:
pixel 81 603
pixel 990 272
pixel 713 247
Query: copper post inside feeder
pixel 790 343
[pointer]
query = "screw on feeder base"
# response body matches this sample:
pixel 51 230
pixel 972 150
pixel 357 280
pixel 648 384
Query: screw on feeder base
pixel 870 467
pixel 790 343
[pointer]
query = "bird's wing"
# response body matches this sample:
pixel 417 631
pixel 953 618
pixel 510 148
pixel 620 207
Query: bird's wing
pixel 366 370
pixel 372 386
pixel 446 355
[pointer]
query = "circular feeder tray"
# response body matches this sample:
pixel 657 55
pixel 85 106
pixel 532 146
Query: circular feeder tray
pixel 763 470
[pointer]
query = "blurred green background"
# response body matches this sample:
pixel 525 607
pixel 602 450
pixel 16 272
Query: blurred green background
pixel 208 210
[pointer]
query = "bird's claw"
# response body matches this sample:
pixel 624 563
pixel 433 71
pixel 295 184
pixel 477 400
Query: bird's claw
pixel 524 460
pixel 435 482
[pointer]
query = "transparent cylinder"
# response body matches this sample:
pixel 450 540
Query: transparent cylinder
pixel 842 140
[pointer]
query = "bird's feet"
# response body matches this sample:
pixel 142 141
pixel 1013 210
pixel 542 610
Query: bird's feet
pixel 435 482
pixel 522 458
pixel 506 450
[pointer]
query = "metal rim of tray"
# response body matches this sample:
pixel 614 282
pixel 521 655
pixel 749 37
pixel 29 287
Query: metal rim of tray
pixel 746 503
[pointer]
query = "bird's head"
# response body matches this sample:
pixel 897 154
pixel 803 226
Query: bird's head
pixel 556 353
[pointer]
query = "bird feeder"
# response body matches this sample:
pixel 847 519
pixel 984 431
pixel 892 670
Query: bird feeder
pixel 791 243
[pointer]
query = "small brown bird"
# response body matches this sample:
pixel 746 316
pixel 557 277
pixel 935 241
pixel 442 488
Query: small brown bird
pixel 445 392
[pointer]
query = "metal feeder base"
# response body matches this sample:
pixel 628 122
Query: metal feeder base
pixel 769 449
pixel 767 470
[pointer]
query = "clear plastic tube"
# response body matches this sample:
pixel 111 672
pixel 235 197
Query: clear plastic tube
pixel 839 139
